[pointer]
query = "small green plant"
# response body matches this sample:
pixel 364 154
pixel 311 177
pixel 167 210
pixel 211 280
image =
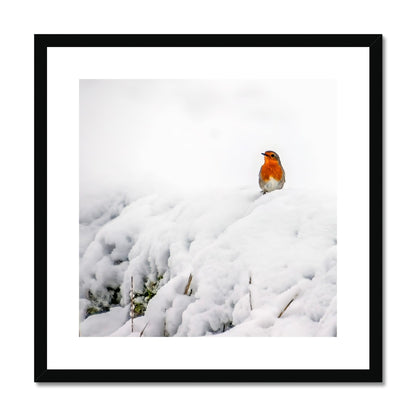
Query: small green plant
pixel 103 302
pixel 92 310
pixel 139 309
pixel 141 299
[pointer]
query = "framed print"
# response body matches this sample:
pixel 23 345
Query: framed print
pixel 208 208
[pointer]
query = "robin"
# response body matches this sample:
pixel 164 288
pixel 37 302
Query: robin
pixel 272 175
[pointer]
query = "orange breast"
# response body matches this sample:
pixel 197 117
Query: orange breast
pixel 273 170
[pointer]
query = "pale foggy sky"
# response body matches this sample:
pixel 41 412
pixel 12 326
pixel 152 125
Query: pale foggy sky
pixel 196 134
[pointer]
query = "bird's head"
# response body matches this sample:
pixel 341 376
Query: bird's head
pixel 271 157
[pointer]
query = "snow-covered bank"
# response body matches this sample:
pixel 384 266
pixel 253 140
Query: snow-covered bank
pixel 260 265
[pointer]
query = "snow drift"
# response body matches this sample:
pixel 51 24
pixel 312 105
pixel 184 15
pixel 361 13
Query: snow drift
pixel 232 263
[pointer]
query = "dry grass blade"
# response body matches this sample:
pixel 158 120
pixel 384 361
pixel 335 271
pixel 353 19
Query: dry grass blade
pixel 141 333
pixel 188 285
pixel 131 304
pixel 249 294
pixel 284 309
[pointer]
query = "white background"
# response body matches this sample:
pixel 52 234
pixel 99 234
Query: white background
pixel 18 23
pixel 346 67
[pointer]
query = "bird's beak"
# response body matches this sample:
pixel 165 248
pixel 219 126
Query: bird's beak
pixel 264 154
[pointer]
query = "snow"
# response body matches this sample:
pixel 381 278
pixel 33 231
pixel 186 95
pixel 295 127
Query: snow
pixel 260 265
pixel 103 324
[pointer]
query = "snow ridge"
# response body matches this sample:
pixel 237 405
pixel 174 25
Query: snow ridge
pixel 258 265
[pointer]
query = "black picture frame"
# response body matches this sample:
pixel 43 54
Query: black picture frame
pixel 375 372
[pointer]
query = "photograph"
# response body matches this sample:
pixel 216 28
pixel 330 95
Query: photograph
pixel 208 207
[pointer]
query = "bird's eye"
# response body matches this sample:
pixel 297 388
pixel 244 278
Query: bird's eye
pixel 271 155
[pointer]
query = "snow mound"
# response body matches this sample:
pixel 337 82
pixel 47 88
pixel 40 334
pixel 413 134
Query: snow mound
pixel 233 263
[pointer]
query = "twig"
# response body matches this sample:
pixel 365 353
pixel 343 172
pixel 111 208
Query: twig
pixel 188 284
pixel 141 333
pixel 131 303
pixel 283 311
